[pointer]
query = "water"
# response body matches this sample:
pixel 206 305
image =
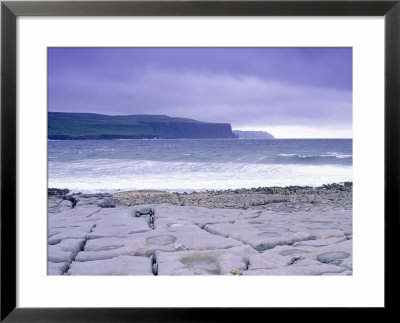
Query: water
pixel 187 165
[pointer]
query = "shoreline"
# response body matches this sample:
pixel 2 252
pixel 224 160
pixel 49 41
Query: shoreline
pixel 332 185
pixel 278 199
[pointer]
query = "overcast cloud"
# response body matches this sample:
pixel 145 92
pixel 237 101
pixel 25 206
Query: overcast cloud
pixel 251 88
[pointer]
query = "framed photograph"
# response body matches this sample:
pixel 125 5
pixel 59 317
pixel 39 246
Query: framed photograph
pixel 181 160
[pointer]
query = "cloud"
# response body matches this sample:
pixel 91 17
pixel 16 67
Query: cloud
pixel 240 99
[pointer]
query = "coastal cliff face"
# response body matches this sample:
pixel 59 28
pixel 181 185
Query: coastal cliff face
pixel 192 130
pixel 96 126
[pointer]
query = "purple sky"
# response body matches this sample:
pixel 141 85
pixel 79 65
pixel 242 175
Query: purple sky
pixel 290 92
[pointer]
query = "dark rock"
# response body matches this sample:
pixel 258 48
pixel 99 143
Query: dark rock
pixel 145 211
pixel 57 191
pixel 73 200
pixel 107 203
pixel 294 260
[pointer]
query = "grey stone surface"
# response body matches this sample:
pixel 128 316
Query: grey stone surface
pixel 210 262
pixel 260 237
pixel 331 252
pixel 56 204
pixel 185 237
pixel 300 268
pixel 121 265
pixel 65 250
pixel 57 268
pixel 116 222
pixel 329 257
pixel 292 231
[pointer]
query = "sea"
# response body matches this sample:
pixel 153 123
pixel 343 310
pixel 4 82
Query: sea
pixel 186 165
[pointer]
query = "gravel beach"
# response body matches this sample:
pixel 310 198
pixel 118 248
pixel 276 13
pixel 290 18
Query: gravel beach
pixel 261 231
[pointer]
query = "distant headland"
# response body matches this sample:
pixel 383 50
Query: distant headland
pixel 62 125
pixel 253 134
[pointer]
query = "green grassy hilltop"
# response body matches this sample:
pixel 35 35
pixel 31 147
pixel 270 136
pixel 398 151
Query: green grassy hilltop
pixel 62 125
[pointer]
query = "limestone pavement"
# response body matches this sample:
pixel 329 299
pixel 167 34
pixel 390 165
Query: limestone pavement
pixel 101 234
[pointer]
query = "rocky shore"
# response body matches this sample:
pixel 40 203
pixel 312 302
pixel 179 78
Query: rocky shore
pixel 261 231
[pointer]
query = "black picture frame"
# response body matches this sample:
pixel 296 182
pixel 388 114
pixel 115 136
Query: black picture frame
pixel 10 10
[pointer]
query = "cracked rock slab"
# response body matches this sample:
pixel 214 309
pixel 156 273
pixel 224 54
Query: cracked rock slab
pixel 57 268
pixel 269 230
pixel 57 204
pixel 160 238
pixel 188 237
pixel 260 238
pixel 122 265
pixel 115 222
pixel 300 268
pixel 210 262
pixel 336 254
pixel 200 216
pixel 65 251
pixel 57 234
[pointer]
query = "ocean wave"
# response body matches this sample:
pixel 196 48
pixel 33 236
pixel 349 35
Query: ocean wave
pixel 109 174
pixel 327 155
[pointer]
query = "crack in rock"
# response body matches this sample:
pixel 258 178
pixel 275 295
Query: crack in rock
pixel 88 216
pixel 82 248
pixel 203 227
pixel 154 265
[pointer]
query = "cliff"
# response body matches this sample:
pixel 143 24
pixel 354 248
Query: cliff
pixel 63 125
